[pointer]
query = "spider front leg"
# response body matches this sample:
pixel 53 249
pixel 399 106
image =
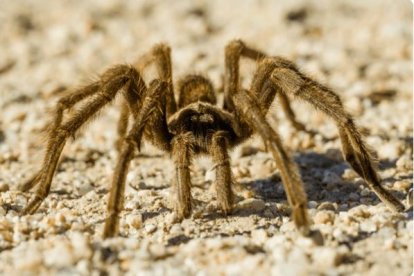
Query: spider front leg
pixel 284 75
pixel 250 112
pixel 182 154
pixel 130 142
pixel 224 180
pixel 111 82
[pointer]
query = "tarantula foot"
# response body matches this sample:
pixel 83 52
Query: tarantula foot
pixel 226 210
pixel 301 219
pixel 32 206
pixel 182 212
pixel 316 237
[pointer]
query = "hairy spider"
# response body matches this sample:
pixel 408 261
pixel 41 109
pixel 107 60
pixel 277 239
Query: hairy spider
pixel 195 125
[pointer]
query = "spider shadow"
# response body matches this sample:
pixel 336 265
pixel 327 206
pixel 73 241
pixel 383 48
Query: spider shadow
pixel 312 167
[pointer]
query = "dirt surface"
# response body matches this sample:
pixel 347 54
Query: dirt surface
pixel 362 49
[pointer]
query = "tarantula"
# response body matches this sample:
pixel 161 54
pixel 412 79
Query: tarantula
pixel 195 125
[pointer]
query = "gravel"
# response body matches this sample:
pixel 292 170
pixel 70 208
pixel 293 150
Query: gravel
pixel 363 50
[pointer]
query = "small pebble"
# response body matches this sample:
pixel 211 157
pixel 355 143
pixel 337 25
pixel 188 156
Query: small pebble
pixel 390 150
pixel 328 206
pixel 349 174
pixel 252 204
pixel 259 236
pixel 135 221
pixel 150 228
pixel 324 217
pixel 60 255
pixel 368 226
pixel 365 192
pixel 402 185
pixel 331 178
pixel 312 204
pixel 326 257
pixel 360 211
pixel 404 163
pixel 241 172
pixel 4 187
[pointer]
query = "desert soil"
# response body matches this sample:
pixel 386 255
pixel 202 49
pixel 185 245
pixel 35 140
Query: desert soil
pixel 361 49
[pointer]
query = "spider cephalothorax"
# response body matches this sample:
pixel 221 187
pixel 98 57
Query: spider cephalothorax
pixel 196 125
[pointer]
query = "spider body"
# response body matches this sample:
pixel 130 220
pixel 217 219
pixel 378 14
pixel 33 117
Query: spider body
pixel 196 125
pixel 202 119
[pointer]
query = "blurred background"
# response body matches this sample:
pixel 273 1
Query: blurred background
pixel 335 41
pixel 359 48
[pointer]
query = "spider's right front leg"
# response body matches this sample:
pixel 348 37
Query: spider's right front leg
pixel 182 153
pixel 224 179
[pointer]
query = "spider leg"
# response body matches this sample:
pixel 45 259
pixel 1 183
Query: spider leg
pixel 250 111
pixel 290 80
pixel 160 55
pixel 31 182
pixel 233 52
pixel 130 143
pixel 64 103
pixel 290 115
pixel 111 82
pixel 221 159
pixel 122 125
pixel 182 153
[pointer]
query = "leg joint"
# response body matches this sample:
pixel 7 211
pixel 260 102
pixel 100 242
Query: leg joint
pixel 235 46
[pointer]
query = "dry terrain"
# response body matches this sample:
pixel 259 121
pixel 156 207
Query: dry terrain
pixel 362 49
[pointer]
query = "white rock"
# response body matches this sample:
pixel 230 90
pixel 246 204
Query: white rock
pixel 349 174
pixel 368 226
pixel 81 247
pixel 390 150
pixel 150 228
pixel 60 255
pixel 402 185
pixel 134 220
pixel 30 259
pixel 404 163
pixel 326 257
pixel 324 217
pixel 259 236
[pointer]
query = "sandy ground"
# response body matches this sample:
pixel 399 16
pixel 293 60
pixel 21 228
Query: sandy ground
pixel 362 49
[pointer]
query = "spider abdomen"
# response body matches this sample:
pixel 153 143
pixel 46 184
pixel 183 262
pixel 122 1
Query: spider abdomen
pixel 195 88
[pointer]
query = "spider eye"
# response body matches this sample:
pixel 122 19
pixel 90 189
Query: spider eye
pixel 202 118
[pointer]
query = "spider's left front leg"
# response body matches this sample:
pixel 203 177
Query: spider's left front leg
pixel 224 180
pixel 250 112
